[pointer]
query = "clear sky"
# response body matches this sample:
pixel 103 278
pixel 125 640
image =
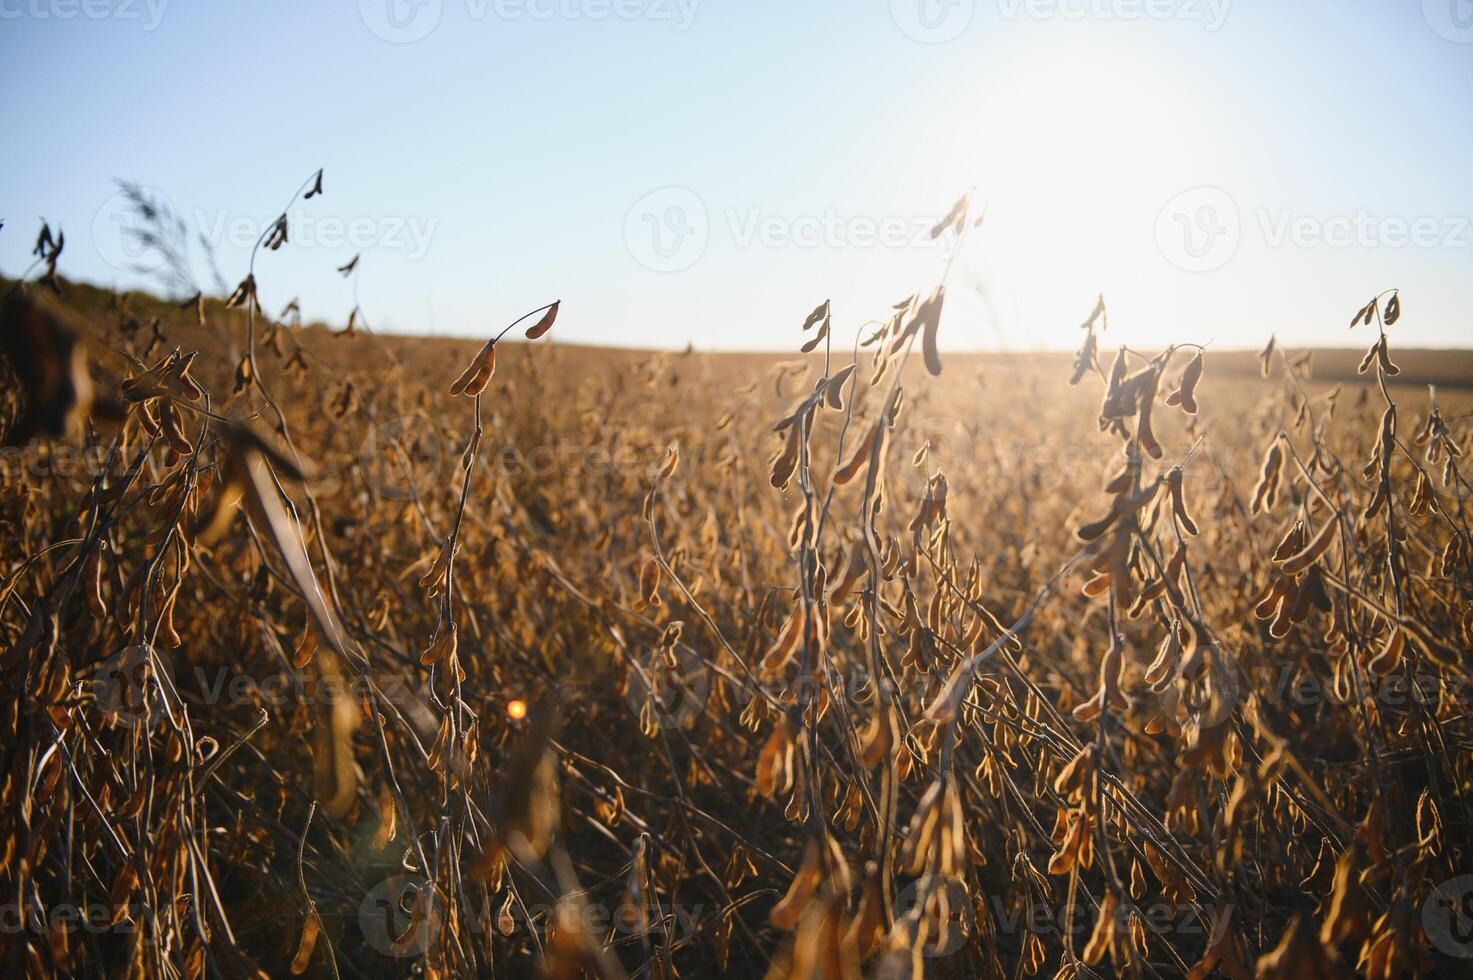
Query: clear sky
pixel 709 170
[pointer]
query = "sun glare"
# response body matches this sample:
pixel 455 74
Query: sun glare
pixel 1076 160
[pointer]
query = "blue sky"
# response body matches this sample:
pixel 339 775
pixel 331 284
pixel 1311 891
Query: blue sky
pixel 708 170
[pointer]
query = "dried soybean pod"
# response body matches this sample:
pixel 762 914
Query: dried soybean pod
pixel 545 324
pixel 1145 398
pixel 1185 394
pixel 305 647
pixel 1268 479
pixel 820 312
pixel 308 942
pixel 1178 504
pixel 785 913
pixel 1383 355
pixel 786 643
pixel 388 822
pixel 649 584
pixel 1297 563
pixel 1390 657
pixel 834 390
pixel 862 453
pixel 478 373
pixel 786 461
pixel 815 340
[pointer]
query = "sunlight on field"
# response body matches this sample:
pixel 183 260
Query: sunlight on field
pixel 657 489
pixel 493 644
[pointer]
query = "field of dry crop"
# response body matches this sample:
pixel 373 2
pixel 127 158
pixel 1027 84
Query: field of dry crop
pixel 360 656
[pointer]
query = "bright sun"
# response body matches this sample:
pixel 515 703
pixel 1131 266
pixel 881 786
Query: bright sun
pixel 1078 161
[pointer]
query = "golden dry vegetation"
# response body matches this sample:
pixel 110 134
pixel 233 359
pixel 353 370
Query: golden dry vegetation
pixel 673 664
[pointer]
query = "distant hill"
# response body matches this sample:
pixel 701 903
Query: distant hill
pixel 1445 368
